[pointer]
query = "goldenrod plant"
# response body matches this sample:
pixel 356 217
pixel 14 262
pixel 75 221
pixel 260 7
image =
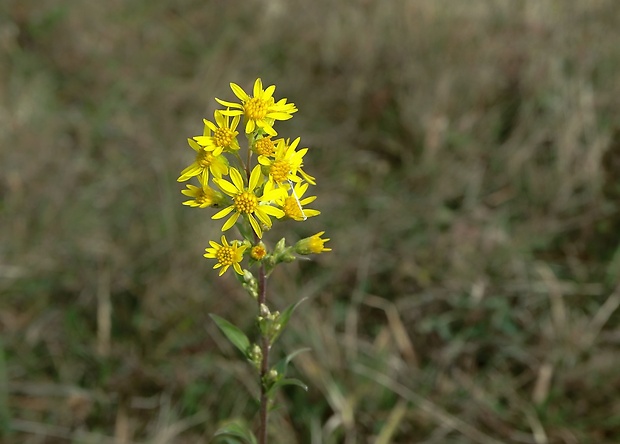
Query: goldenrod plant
pixel 251 191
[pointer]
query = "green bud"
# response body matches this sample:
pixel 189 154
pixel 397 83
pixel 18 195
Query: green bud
pixel 280 246
pixel 255 355
pixel 250 283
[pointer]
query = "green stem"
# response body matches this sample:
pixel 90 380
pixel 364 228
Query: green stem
pixel 242 165
pixel 264 341
pixel 264 368
pixel 251 138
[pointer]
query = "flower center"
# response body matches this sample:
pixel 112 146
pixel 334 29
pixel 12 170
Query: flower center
pixel 202 198
pixel 258 252
pixel 255 108
pixel 291 208
pixel 264 147
pixel 280 170
pixel 245 202
pixel 224 137
pixel 204 159
pixel 225 255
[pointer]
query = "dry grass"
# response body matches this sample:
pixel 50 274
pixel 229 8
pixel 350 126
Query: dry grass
pixel 468 156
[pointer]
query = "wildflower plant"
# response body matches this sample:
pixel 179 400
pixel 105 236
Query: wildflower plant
pixel 251 191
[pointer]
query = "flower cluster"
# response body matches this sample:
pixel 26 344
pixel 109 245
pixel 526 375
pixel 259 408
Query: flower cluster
pixel 251 195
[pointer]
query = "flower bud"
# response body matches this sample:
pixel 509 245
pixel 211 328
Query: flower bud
pixel 312 245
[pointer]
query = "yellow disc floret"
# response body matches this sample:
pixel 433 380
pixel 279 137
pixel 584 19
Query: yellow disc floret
pixel 204 159
pixel 245 202
pixel 293 204
pixel 224 137
pixel 203 197
pixel 292 208
pixel 221 135
pixel 258 252
pixel 265 147
pixel 286 163
pixel 256 108
pixel 280 170
pixel 260 110
pixel 226 255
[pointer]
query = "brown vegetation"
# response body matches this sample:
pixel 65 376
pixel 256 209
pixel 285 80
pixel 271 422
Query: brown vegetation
pixel 468 160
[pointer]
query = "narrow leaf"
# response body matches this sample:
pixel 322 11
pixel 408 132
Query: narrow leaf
pixel 286 316
pixel 236 429
pixel 234 335
pixel 282 365
pixel 286 381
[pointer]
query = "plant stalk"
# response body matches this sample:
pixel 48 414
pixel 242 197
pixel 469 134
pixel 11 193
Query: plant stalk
pixel 264 368
pixel 264 341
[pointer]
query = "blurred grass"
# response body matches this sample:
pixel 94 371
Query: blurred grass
pixel 468 156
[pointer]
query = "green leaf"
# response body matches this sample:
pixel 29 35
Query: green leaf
pixel 286 381
pixel 283 363
pixel 286 316
pixel 236 429
pixel 244 227
pixel 234 335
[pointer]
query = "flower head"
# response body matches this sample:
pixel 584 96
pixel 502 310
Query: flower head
pixel 205 162
pixel 293 204
pixel 226 255
pixel 286 163
pixel 203 197
pixel 247 203
pixel 258 252
pixel 224 136
pixel 260 110
pixel 313 244
pixel 264 147
pixel 249 191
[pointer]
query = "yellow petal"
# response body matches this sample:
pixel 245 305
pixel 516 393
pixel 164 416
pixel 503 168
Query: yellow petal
pixel 258 87
pixel 256 226
pixel 249 126
pixel 254 178
pixel 272 211
pixel 237 179
pixel 239 92
pixel 194 145
pixel 232 112
pixel 268 93
pixel 227 104
pixel 226 187
pixel 230 222
pixel 223 213
pixel 189 172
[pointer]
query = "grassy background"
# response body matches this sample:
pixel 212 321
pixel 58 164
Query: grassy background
pixel 467 157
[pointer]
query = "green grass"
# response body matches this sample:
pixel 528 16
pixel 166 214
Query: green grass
pixel 467 157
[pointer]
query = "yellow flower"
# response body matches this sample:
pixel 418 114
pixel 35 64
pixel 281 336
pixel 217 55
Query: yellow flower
pixel 313 244
pixel 264 147
pixel 261 110
pixel 286 163
pixel 224 136
pixel 205 162
pixel 293 204
pixel 226 255
pixel 203 197
pixel 258 252
pixel 245 201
